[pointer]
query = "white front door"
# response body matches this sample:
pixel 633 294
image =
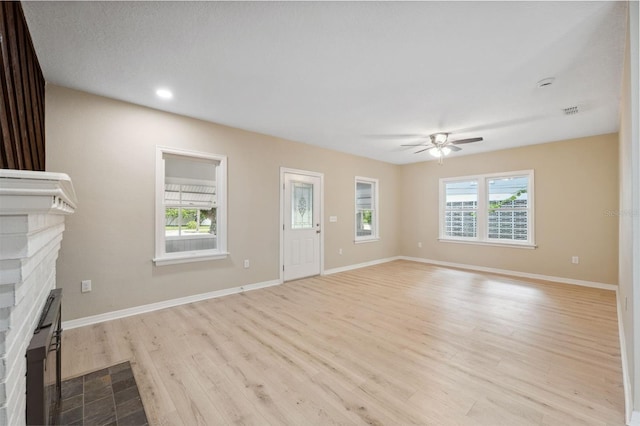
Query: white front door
pixel 301 226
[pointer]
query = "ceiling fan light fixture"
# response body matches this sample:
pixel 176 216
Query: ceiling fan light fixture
pixel 440 138
pixel 439 152
pixel 439 145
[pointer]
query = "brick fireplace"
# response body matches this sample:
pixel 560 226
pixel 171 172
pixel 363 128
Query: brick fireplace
pixel 33 206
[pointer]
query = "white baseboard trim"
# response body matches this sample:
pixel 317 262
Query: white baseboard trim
pixel 360 265
pixel 108 316
pixel 592 284
pixel 626 379
pixel 635 419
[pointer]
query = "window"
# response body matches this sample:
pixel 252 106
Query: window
pixel 301 205
pixel 366 209
pixel 190 206
pixel 488 209
pixel 461 209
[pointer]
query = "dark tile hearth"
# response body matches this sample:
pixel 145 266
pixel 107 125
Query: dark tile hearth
pixel 105 397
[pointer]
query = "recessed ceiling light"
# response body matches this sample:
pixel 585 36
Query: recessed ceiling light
pixel 164 93
pixel 545 82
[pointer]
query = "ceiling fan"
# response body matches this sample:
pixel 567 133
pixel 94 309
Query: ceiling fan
pixel 439 145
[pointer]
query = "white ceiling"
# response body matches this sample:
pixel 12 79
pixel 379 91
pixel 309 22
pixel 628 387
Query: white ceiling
pixel 350 76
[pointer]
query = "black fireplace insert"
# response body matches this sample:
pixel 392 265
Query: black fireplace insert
pixel 44 384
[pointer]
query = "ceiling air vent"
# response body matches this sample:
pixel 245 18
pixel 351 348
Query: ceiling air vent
pixel 572 110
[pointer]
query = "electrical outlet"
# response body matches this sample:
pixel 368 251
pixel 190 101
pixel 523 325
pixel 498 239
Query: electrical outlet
pixel 340 251
pixel 333 218
pixel 419 245
pixel 575 260
pixel 86 286
pixel 246 263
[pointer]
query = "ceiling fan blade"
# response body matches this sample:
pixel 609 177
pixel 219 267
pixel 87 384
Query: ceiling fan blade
pixel 414 144
pixel 454 148
pixel 399 136
pixel 470 140
pixel 422 150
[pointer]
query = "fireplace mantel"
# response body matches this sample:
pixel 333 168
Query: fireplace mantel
pixel 29 192
pixel 33 206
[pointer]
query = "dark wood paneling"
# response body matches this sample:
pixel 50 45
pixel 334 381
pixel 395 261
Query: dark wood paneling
pixel 21 94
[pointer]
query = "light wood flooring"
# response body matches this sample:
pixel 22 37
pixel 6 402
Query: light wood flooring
pixel 394 344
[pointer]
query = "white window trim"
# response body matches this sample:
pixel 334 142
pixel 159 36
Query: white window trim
pixel 364 240
pixel 482 237
pixel 194 236
pixel 161 256
pixel 375 235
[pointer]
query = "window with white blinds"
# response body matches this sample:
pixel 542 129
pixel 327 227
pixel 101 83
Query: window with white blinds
pixel 489 209
pixel 190 217
pixel 366 203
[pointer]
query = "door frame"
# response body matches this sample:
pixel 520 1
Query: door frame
pixel 283 171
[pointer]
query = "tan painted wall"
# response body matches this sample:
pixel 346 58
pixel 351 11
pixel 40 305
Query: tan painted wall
pixel 108 149
pixel 576 183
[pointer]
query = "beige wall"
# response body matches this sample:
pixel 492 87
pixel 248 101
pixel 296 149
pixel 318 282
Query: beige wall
pixel 576 183
pixel 108 149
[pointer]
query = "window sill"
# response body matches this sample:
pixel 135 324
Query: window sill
pixel 186 257
pixel 190 237
pixel 367 240
pixel 528 246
